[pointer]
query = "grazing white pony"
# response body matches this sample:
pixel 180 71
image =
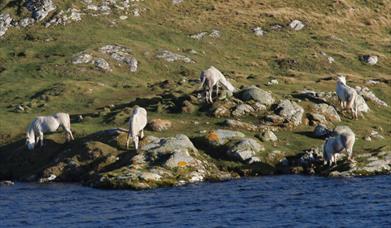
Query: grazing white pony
pixel 137 123
pixel 213 77
pixel 343 140
pixel 347 96
pixel 44 124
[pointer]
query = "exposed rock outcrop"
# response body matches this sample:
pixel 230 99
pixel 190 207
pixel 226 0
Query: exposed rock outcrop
pixel 256 94
pixel 121 54
pixel 369 95
pixel 290 111
pixel 40 9
pixel 5 23
pixel 328 111
pixel 172 57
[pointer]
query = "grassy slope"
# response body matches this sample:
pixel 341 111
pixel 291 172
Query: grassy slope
pixel 37 58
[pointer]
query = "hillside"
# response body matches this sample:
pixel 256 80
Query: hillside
pixel 54 56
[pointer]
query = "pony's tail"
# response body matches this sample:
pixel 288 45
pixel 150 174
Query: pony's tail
pixel 202 79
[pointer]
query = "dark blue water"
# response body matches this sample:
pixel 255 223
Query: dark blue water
pixel 279 201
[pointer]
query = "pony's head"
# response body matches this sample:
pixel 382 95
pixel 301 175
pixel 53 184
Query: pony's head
pixel 341 79
pixel 30 142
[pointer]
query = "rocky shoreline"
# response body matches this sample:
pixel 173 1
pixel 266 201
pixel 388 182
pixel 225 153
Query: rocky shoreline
pixel 239 146
pixel 100 160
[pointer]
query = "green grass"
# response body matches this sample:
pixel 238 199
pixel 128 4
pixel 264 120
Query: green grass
pixel 38 59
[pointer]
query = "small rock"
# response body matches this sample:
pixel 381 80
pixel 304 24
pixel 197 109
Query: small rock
pixel 315 118
pixel 369 95
pixel 267 136
pixel 7 183
pixel 276 27
pixel 242 109
pixel 275 157
pixel 258 31
pixel 375 135
pixel 82 58
pixel 273 82
pixel 256 94
pixel 258 107
pixel 220 137
pixel 361 105
pixel 121 54
pixel 296 25
pixel 102 64
pixel 321 131
pixel 123 17
pixel 198 36
pixel 5 23
pixel 328 111
pixel 19 108
pixel 372 82
pixel 235 124
pixel 40 9
pixel 148 176
pixel 369 59
pixel 290 111
pixel 176 1
pixel 180 158
pixel 215 34
pixel 159 125
pixel 273 119
pixel 173 57
pixel 52 177
pixel 188 107
pixel 330 59
pixel 244 149
pixel 26 22
pixel 196 177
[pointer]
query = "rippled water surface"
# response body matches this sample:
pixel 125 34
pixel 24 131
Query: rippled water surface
pixel 256 202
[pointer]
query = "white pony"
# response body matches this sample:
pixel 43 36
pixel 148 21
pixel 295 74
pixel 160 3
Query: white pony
pixel 137 123
pixel 214 77
pixel 344 139
pixel 347 96
pixel 43 124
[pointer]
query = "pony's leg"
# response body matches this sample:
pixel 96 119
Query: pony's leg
pixel 349 151
pixel 141 134
pixel 217 90
pixel 128 140
pixel 69 135
pixel 340 103
pixel 37 140
pixel 135 141
pixel 41 138
pixel 210 94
